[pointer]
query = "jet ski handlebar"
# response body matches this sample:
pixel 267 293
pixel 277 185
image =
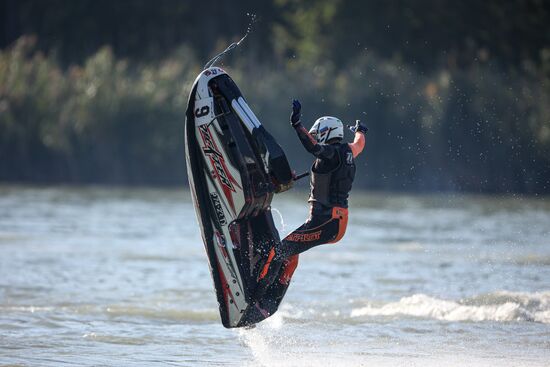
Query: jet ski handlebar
pixel 301 175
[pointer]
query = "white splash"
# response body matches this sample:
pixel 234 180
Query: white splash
pixel 265 341
pixel 282 227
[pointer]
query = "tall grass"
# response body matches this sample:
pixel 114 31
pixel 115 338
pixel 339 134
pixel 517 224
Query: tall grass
pixel 112 121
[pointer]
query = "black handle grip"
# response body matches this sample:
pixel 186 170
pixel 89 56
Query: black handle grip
pixel 301 175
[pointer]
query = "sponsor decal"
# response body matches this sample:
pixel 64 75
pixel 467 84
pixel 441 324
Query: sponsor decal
pixel 218 208
pixel 304 237
pixel 219 166
pixel 213 71
pixel 216 158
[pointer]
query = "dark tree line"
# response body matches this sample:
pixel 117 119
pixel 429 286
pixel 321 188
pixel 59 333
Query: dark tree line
pixel 457 94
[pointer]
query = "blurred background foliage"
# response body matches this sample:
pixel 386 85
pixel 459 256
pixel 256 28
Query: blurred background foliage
pixel 456 94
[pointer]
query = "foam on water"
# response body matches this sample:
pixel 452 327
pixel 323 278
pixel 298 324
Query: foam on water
pixel 283 341
pixel 498 306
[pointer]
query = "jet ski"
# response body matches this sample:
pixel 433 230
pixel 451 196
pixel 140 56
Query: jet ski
pixel 234 168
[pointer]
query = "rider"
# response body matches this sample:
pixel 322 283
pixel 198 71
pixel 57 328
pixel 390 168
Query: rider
pixel 332 175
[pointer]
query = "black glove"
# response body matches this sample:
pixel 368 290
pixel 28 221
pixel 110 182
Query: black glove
pixel 359 127
pixel 295 116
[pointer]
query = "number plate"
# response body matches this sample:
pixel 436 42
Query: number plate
pixel 204 111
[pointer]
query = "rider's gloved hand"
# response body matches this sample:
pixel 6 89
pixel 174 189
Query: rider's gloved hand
pixel 359 127
pixel 295 116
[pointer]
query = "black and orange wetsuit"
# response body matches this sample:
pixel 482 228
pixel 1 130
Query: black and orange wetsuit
pixel 332 175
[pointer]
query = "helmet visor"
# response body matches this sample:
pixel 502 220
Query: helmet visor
pixel 314 131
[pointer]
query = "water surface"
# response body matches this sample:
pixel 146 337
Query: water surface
pixel 118 277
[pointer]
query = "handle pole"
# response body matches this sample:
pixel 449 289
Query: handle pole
pixel 301 175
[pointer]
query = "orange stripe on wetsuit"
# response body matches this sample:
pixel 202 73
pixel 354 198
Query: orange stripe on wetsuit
pixel 289 266
pixel 306 133
pixel 341 214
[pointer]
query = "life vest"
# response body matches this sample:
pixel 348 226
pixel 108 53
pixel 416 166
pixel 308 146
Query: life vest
pixel 331 180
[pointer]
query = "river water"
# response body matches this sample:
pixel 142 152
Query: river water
pixel 118 277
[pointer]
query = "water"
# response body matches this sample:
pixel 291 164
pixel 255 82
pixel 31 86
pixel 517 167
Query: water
pixel 118 277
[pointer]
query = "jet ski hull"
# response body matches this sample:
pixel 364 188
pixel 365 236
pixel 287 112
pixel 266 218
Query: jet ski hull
pixel 234 167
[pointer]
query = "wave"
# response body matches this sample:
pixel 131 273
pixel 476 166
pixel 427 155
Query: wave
pixel 154 313
pixel 532 260
pixel 500 306
pixel 205 315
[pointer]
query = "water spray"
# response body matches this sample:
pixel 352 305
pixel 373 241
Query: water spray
pixel 232 46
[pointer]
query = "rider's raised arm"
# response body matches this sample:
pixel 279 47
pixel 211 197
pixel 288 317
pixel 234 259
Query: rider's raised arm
pixel 358 144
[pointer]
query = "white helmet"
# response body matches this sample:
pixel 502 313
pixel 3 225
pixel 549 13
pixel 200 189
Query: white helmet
pixel 327 128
